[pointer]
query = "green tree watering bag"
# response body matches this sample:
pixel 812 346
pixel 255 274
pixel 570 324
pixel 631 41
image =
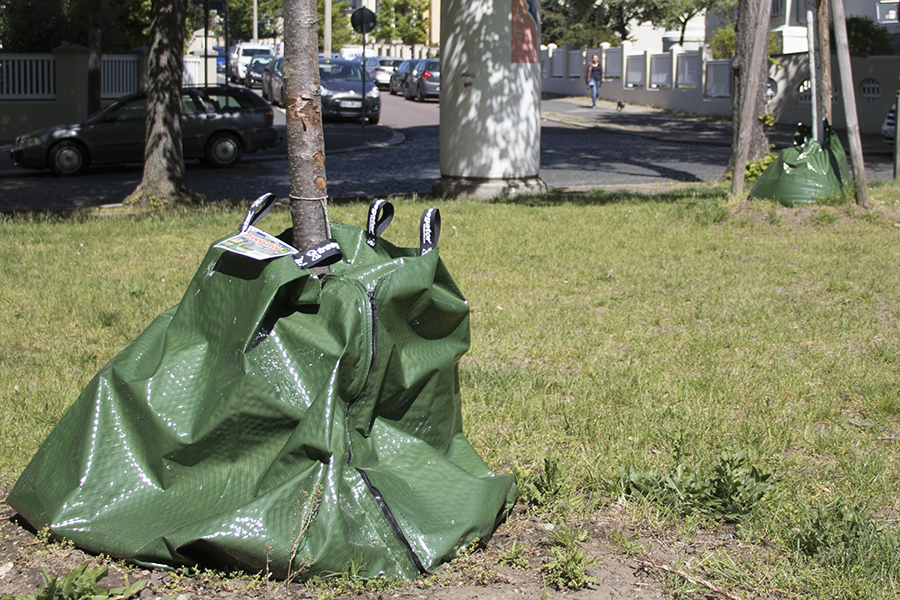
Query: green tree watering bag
pixel 277 420
pixel 804 173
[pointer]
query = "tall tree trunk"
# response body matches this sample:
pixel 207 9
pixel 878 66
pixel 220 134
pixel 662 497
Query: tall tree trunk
pixel 757 137
pixel 305 137
pixel 163 182
pixel 95 56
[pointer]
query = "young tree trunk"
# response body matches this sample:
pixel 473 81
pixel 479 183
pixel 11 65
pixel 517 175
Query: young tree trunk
pixel 95 56
pixel 823 56
pixel 756 137
pixel 305 137
pixel 163 181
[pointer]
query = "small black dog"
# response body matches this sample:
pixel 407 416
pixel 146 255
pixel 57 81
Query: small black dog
pixel 620 105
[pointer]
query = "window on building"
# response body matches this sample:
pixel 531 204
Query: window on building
pixel 777 8
pixel 887 11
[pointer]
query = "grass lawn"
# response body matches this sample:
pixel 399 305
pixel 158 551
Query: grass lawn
pixel 699 366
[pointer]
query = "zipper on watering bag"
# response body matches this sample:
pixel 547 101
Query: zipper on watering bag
pixel 376 493
pixel 373 346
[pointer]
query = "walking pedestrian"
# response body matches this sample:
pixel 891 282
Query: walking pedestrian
pixel 593 78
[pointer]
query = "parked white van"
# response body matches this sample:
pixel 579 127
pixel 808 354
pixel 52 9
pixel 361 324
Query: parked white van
pixel 241 55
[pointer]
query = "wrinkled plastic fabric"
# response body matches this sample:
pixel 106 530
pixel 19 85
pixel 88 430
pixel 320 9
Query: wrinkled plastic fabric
pixel 274 420
pixel 802 175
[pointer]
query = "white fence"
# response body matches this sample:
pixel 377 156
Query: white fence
pixel 192 73
pixel 27 76
pixel 676 80
pixel 692 83
pixel 33 76
pixel 119 75
pixel 718 78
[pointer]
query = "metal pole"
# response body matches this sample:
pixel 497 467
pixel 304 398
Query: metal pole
pixel 814 90
pixel 227 49
pixel 206 43
pixel 255 21
pixel 896 138
pixel 363 111
pixel 326 33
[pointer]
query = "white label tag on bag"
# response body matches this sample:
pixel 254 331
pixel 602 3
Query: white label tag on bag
pixel 257 244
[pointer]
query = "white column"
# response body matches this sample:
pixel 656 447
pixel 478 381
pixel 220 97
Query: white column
pixel 674 53
pixel 626 50
pixel 490 98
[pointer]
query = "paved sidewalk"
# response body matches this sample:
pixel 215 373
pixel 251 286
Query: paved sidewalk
pixel 671 126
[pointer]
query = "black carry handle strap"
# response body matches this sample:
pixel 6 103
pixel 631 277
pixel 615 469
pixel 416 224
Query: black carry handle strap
pixel 258 209
pixel 376 224
pixel 429 231
pixel 322 255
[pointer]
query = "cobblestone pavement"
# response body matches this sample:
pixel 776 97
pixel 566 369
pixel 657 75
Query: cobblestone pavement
pixel 572 158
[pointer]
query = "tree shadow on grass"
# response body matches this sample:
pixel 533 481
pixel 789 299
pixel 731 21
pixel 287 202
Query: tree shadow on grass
pixel 633 195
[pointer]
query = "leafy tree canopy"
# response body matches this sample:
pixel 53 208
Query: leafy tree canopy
pixel 866 37
pixel 36 26
pixel 576 22
pixel 270 21
pixel 404 20
pixel 724 43
pixel 675 14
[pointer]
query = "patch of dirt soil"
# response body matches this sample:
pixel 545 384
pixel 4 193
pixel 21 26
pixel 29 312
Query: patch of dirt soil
pixel 811 215
pixel 483 574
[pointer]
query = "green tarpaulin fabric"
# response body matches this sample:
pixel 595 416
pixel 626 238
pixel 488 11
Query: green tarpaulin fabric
pixel 802 175
pixel 277 420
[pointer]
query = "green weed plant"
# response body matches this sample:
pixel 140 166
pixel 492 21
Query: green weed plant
pixel 81 583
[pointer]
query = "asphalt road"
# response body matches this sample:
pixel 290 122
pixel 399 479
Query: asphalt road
pixel 572 158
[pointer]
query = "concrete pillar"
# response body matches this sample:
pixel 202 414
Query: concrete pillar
pixel 71 80
pixel 143 69
pixel 490 98
pixel 674 53
pixel 626 49
pixel 648 57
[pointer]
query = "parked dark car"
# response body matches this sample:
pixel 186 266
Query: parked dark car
pixel 341 83
pixel 255 69
pixel 273 82
pixel 424 81
pixel 398 77
pixel 219 124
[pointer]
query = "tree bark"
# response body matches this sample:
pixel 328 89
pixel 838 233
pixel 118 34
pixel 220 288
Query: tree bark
pixel 754 79
pixel 823 64
pixel 95 55
pixel 163 181
pixel 756 137
pixel 857 166
pixel 305 136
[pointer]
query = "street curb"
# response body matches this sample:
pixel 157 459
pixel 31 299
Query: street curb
pixel 397 138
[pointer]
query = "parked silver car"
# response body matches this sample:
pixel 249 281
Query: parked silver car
pixel 889 127
pixel 379 69
pixel 424 81
pixel 218 125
